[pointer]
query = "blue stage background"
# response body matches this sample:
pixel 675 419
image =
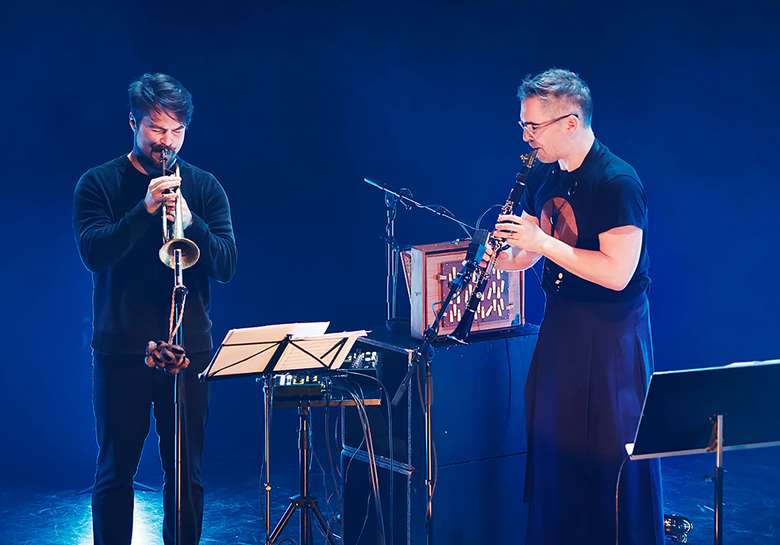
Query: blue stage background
pixel 296 102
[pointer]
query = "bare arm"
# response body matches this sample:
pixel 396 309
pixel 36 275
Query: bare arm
pixel 611 266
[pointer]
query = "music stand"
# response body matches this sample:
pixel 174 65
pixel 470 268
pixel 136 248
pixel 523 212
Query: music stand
pixel 688 412
pixel 261 352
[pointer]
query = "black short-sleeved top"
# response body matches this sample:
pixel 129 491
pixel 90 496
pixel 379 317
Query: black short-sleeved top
pixel 575 207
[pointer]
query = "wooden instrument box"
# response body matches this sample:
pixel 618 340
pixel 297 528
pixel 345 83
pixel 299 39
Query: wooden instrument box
pixel 429 269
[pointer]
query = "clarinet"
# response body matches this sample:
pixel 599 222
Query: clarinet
pixel 496 244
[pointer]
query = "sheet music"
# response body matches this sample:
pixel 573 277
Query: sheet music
pixel 250 350
pixel 323 347
pixel 274 333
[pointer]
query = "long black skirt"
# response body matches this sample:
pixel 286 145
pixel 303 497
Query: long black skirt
pixel 584 396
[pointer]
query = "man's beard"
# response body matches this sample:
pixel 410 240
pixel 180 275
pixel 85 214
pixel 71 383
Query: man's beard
pixel 153 168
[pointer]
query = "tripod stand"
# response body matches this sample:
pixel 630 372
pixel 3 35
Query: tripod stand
pixel 303 501
pixel 268 350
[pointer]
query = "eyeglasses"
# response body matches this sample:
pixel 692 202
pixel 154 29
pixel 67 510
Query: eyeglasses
pixel 531 128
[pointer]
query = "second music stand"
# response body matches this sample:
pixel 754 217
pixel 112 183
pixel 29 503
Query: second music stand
pixel 686 412
pixel 261 352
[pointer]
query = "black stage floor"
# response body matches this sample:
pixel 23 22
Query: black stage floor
pixel 233 515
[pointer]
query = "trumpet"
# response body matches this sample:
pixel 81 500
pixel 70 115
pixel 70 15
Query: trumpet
pixel 497 245
pixel 173 235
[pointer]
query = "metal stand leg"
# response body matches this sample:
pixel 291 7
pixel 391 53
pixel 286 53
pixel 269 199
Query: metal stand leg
pixel 303 470
pixel 718 480
pixel 429 476
pixel 267 454
pixel 177 482
pixel 179 402
pixel 303 500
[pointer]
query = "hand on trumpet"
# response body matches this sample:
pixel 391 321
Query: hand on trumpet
pixel 164 191
pixel 186 215
pixel 167 357
pixel 161 190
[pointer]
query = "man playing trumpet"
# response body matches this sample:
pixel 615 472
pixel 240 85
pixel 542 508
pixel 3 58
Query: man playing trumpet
pixel 117 223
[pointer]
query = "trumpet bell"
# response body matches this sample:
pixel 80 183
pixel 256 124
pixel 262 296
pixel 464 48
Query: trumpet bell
pixel 190 253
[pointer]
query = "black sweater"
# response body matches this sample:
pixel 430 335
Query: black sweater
pixel 118 241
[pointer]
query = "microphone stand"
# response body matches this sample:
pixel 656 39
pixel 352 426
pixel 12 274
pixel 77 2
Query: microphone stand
pixel 423 356
pixel 180 292
pixel 409 200
pixel 391 251
pixel 176 337
pixel 392 199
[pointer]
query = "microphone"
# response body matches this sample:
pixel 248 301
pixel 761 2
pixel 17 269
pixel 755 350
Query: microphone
pixel 478 245
pixel 474 255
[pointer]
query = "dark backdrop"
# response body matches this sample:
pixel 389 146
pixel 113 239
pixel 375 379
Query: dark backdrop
pixel 297 102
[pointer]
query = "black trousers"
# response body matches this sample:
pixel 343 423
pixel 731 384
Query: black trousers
pixel 124 392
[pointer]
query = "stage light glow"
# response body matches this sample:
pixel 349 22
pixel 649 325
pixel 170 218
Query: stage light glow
pixel 147 521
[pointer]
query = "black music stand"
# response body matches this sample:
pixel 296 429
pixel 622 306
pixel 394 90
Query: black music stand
pixel 713 409
pixel 261 352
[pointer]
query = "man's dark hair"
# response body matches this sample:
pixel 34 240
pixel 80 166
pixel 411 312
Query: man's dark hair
pixel 559 83
pixel 160 91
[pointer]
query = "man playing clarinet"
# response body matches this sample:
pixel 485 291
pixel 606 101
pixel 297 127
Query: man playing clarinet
pixel 584 212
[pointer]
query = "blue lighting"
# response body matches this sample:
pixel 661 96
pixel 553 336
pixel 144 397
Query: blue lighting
pixel 147 521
